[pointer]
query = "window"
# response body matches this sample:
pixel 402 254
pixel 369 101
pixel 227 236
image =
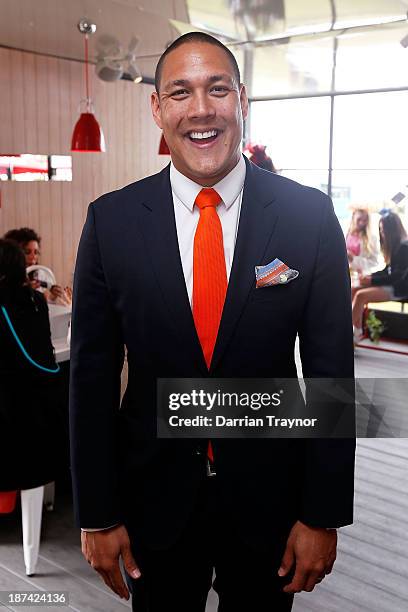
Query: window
pixel 371 131
pixel 302 65
pixel 28 167
pixel 296 133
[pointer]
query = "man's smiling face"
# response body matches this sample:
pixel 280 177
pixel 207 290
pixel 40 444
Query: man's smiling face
pixel 200 108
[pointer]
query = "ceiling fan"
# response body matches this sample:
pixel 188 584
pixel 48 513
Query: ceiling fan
pixel 113 62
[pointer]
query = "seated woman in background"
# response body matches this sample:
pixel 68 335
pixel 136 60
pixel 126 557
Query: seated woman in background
pixel 33 422
pixel 390 283
pixel 362 246
pixel 30 242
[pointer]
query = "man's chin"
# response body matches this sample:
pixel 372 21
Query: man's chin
pixel 207 173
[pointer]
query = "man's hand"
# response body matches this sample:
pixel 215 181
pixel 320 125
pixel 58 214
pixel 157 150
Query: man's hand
pixel 102 550
pixel 313 551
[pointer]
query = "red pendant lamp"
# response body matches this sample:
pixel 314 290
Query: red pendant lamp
pixel 87 136
pixel 163 146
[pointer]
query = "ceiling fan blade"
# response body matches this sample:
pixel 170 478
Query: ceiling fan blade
pixel 134 43
pixel 106 44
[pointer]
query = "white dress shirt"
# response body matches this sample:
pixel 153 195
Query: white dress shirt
pixel 184 192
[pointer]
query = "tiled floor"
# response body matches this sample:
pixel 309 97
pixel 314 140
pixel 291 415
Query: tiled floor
pixel 371 572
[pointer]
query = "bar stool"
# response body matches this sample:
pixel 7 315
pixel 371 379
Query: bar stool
pixel 32 501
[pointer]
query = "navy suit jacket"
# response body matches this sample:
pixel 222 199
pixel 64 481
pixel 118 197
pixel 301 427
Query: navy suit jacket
pixel 129 290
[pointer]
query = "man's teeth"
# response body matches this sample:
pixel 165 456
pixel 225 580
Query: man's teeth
pixel 201 135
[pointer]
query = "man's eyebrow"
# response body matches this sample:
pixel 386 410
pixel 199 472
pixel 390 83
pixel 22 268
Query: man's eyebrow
pixel 220 77
pixel 176 83
pixel 212 79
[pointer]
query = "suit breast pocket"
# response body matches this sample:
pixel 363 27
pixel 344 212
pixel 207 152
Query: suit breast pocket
pixel 274 294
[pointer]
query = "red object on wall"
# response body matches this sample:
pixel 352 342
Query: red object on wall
pixel 88 136
pixel 163 146
pixel 7 501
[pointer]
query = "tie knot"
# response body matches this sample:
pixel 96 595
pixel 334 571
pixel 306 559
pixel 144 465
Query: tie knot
pixel 207 197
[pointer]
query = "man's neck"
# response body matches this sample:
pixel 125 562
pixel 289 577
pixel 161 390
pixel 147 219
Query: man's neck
pixel 209 181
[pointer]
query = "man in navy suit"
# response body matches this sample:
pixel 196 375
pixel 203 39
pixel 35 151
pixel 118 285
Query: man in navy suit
pixel 266 521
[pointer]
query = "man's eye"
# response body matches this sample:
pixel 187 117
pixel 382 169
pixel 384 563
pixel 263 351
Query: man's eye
pixel 180 92
pixel 219 89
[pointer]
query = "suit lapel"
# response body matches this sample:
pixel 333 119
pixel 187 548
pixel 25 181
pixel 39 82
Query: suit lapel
pixel 257 222
pixel 159 228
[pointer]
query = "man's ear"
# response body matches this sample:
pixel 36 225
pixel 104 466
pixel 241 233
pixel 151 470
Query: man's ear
pixel 155 105
pixel 244 101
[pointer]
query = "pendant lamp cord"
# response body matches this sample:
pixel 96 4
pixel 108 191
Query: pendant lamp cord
pixel 88 100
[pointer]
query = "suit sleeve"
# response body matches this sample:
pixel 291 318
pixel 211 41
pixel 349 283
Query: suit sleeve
pixel 326 350
pixel 96 362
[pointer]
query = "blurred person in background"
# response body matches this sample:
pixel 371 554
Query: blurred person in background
pixel 390 283
pixel 362 245
pixel 30 242
pixel 33 425
pixel 260 158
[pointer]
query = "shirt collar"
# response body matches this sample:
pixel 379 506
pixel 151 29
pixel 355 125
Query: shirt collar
pixel 228 188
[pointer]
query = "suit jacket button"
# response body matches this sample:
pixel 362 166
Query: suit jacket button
pixel 198 451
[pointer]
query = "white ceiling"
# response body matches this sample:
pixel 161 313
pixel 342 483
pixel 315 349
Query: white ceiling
pixel 50 26
pixel 259 20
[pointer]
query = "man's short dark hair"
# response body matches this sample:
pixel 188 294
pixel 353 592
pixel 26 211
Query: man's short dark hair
pixel 195 37
pixel 22 236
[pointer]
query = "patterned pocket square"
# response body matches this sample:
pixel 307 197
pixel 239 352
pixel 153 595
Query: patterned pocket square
pixel 274 273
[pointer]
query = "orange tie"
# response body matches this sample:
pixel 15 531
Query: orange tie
pixel 209 272
pixel 209 276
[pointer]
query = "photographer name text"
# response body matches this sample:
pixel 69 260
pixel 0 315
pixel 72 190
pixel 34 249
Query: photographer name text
pixel 222 421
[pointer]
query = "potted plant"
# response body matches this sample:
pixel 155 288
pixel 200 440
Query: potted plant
pixel 375 327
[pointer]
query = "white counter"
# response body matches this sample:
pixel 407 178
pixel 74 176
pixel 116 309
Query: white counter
pixel 60 317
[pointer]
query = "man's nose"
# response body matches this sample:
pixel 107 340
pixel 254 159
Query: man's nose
pixel 201 106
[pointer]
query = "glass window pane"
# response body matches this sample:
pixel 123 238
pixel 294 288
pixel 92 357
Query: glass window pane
pixel 28 167
pixel 303 65
pixel 24 167
pixel 296 132
pixel 350 12
pixel 61 167
pixel 215 16
pixel 371 131
pixel 311 178
pixel 369 60
pixel 374 188
pixel 238 52
pixel 259 20
pixel 303 16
